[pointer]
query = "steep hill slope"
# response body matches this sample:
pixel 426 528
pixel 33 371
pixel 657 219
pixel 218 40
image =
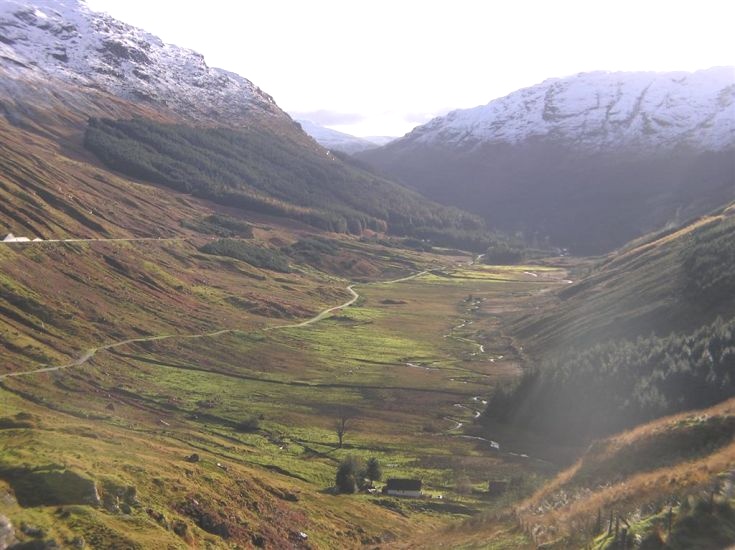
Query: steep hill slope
pixel 62 64
pixel 590 161
pixel 260 170
pixel 665 485
pixel 674 280
pixel 648 332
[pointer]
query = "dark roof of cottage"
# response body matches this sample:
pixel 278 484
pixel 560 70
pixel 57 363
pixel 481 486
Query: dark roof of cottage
pixel 398 484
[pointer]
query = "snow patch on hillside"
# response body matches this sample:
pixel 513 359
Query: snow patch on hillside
pixel 601 110
pixel 66 40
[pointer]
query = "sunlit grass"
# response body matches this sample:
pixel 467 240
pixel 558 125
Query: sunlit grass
pixel 188 395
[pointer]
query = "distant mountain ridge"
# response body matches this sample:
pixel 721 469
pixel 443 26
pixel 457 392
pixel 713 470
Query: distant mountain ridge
pixel 339 141
pixel 588 161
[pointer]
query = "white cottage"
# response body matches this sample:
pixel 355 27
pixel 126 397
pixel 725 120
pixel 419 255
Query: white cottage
pixel 403 487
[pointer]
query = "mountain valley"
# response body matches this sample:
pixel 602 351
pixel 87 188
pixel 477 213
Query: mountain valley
pixel 339 141
pixel 207 316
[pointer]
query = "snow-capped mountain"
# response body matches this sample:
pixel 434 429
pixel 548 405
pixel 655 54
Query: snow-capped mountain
pixel 337 141
pixel 601 110
pixel 116 97
pixel 65 40
pixel 589 162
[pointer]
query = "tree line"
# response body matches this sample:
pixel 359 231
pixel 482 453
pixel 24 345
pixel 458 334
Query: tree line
pixel 592 392
pixel 709 264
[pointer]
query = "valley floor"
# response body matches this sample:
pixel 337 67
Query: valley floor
pixel 409 361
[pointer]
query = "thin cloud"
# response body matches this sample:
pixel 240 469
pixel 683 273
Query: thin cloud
pixel 325 117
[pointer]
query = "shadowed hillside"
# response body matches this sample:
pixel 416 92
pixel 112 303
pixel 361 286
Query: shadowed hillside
pixel 588 162
pixel 265 172
pixel 648 332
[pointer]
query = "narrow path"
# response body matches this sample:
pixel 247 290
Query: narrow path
pixel 88 354
pixel 98 240
pixel 348 303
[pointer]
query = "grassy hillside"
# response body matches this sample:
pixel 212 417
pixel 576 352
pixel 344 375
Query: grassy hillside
pixel 677 280
pixel 667 483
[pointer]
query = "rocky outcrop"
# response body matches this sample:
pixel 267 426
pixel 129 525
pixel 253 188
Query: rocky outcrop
pixel 50 486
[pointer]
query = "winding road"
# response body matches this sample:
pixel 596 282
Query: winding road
pixel 323 314
pixel 91 352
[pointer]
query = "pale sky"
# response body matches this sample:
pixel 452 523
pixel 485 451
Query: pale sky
pixel 381 67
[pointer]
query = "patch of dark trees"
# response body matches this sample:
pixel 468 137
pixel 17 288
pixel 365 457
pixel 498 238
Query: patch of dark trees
pixel 258 170
pixel 592 392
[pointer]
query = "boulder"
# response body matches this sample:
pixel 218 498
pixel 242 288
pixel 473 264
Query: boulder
pixel 50 486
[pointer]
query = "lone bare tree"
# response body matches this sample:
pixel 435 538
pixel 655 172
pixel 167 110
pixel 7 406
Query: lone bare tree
pixel 340 426
pixel 343 422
